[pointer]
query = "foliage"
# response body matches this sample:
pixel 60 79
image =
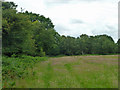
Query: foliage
pixel 17 33
pixel 99 44
pixel 17 67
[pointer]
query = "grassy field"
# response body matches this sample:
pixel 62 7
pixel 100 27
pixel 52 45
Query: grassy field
pixel 72 72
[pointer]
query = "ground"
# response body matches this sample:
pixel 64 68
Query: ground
pixel 73 72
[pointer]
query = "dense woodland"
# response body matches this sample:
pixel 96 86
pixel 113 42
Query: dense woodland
pixel 27 33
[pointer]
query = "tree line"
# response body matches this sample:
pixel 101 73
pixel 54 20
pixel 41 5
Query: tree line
pixel 33 34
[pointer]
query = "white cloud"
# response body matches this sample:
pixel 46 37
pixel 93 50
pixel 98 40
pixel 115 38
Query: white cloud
pixel 95 15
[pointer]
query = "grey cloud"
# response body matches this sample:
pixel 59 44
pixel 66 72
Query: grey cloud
pixel 52 2
pixel 111 30
pixel 61 28
pixel 76 21
pixel 110 27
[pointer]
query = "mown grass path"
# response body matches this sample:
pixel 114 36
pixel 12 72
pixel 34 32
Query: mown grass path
pixel 73 72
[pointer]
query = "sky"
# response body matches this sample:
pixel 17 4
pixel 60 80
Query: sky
pixel 76 17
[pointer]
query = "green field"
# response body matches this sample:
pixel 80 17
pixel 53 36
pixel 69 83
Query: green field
pixel 95 71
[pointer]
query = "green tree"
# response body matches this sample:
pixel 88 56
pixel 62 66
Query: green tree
pixel 9 5
pixel 118 46
pixel 17 33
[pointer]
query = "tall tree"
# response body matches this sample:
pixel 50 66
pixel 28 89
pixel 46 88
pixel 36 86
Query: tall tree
pixel 17 33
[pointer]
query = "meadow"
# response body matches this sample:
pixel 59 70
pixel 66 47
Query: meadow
pixel 29 40
pixel 91 71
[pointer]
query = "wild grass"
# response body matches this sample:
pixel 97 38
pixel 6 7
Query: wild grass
pixel 72 72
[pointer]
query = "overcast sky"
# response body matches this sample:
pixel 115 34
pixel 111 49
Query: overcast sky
pixel 76 17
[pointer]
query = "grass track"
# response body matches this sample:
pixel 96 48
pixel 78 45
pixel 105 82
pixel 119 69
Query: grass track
pixel 73 72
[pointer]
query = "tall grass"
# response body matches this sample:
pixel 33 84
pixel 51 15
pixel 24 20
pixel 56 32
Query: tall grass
pixel 70 72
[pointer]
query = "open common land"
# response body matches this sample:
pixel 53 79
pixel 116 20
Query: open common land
pixel 93 71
